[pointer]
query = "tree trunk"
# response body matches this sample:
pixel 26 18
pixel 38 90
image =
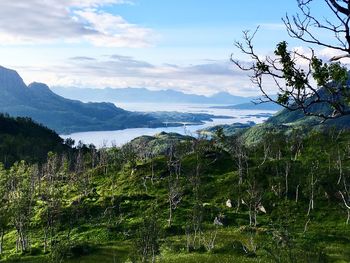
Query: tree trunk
pixel 17 244
pixel 311 203
pixel 297 194
pixel 286 179
pixel 255 220
pixel 152 170
pixel 170 214
pixel 1 240
pixel 45 241
pixel 250 216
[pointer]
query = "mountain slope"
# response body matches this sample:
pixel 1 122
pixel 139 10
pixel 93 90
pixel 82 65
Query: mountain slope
pixel 63 115
pixel 298 118
pixel 23 139
pixel 287 122
pixel 270 106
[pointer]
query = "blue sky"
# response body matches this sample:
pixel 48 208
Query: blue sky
pixel 158 44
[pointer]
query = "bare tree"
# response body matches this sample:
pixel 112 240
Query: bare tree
pixel 313 182
pixel 4 208
pixel 346 199
pixel 174 196
pixel 51 197
pixel 253 202
pixel 295 84
pixel 21 199
pixel 286 174
pixel 194 226
pixel 174 185
pixel 148 239
pixel 345 196
pixel 239 154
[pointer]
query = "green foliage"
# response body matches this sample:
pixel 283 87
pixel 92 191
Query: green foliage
pixel 23 139
pixel 292 75
pixel 119 197
pixel 324 73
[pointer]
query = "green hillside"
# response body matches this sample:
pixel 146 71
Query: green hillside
pixel 23 139
pixel 286 122
pixel 196 201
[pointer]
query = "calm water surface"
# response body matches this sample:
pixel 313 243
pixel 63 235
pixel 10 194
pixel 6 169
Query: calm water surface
pixel 120 137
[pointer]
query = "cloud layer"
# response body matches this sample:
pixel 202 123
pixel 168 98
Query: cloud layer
pixel 42 21
pixel 118 71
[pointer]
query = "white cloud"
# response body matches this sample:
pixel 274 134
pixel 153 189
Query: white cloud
pixel 122 71
pixel 114 31
pixel 327 53
pixel 41 21
pixel 94 3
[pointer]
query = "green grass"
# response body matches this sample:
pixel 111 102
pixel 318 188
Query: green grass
pixel 109 221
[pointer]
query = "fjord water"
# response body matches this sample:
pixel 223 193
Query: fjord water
pixel 120 137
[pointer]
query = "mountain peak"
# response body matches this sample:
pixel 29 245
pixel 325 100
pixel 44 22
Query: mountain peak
pixel 4 70
pixel 12 84
pixel 222 94
pixel 40 87
pixel 9 76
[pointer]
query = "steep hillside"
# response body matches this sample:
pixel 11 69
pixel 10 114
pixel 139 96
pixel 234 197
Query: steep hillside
pixel 23 139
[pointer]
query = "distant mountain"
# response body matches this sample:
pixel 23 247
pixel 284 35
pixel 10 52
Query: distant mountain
pixel 63 115
pixel 286 121
pixel 269 106
pixel 143 95
pixel 298 118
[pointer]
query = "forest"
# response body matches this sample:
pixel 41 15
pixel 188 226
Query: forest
pixel 176 198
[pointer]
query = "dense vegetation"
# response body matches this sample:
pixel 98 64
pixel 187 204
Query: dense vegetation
pixel 284 199
pixel 23 139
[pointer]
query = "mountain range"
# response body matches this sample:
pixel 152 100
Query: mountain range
pixel 38 102
pixel 66 116
pixel 143 95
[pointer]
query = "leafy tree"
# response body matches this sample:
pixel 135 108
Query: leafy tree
pixel 318 89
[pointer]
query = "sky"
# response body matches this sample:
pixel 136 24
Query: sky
pixel 158 44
